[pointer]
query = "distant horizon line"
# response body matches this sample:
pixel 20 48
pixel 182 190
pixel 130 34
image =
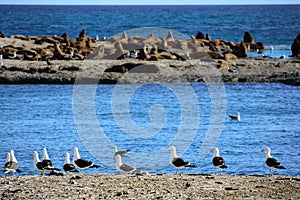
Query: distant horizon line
pixel 277 4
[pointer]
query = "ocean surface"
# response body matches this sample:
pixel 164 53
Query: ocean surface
pixel 149 118
pixel 275 25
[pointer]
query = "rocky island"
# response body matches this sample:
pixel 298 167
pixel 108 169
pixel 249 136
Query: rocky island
pixel 123 59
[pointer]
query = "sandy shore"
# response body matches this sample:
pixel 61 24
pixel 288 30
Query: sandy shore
pixel 135 71
pixel 150 187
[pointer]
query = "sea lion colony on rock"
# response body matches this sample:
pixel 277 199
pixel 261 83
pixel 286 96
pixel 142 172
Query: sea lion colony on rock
pixel 122 47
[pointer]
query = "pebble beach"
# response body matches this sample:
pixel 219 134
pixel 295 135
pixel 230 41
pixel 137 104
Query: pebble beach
pixel 183 186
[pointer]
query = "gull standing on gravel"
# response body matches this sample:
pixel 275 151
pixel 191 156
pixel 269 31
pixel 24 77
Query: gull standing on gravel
pixel 178 162
pixel 81 163
pixel 11 164
pixel 271 162
pixel 123 168
pixel 68 167
pixel 218 161
pixel 47 163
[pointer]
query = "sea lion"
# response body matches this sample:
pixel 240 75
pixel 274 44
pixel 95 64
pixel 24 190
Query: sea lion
pixel 170 37
pixel 124 36
pixel 82 34
pixel 207 37
pixel 248 38
pixel 200 36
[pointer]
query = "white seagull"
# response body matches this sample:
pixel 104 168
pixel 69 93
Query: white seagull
pixel 46 163
pixel 81 163
pixel 11 164
pixel 123 168
pixel 271 162
pixel 7 161
pixel 238 117
pixel 121 152
pixel 178 162
pixel 218 161
pixel 37 162
pixel 68 167
pixel 282 56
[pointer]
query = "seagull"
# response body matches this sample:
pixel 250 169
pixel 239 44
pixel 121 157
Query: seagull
pixel 81 163
pixel 272 162
pixel 14 55
pixel 7 161
pixel 188 55
pixel 11 164
pixel 123 168
pixel 218 161
pixel 46 163
pixel 121 152
pixel 37 163
pixel 178 162
pixel 282 56
pixel 68 167
pixel 238 117
pixel 229 69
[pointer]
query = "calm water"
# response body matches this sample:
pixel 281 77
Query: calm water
pixel 271 24
pixel 59 117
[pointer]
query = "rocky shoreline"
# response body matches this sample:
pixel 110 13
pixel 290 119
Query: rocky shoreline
pixel 164 71
pixel 184 186
pixel 123 59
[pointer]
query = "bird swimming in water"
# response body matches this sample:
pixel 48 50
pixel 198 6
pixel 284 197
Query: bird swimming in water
pixel 237 117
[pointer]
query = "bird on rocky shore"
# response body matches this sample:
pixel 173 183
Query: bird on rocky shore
pixel 229 70
pixel 6 162
pixel 271 162
pixel 178 162
pixel 123 168
pixel 120 152
pixel 218 161
pixel 47 163
pixel 237 117
pixel 68 167
pixel 81 163
pixel 11 164
pixel 282 56
pixel 37 163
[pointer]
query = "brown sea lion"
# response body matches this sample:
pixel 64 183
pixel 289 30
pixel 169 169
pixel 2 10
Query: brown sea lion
pixel 170 36
pixel 248 38
pixel 82 34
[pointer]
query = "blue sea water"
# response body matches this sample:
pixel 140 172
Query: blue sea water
pixel 154 116
pixel 59 117
pixel 270 24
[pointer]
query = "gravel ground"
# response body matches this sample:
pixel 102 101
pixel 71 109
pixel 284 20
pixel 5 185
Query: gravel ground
pixel 183 186
pixel 167 71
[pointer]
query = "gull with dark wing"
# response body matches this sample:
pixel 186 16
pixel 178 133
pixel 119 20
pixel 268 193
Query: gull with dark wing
pixel 218 161
pixel 123 168
pixel 178 162
pixel 271 162
pixel 81 163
